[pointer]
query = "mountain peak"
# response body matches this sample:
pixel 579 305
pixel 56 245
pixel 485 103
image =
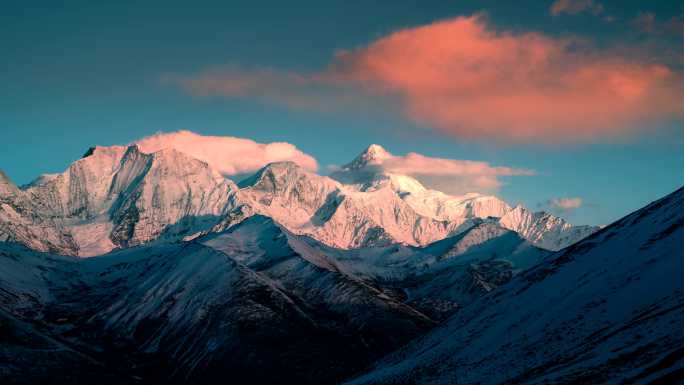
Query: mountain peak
pixel 376 150
pixel 374 154
pixel 271 171
pixel 282 165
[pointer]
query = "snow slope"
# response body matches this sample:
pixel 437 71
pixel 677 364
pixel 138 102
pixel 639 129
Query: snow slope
pixel 609 309
pixel 439 278
pixel 245 302
pixel 21 221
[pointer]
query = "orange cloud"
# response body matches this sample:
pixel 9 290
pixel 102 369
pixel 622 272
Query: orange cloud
pixel 467 79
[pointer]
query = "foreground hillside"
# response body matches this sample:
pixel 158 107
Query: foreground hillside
pixel 609 309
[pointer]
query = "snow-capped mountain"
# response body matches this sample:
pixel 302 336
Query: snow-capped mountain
pixel 609 309
pixel 117 197
pixel 366 174
pixel 542 229
pixel 337 215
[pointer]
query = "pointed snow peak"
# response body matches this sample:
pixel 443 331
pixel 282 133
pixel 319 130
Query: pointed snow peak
pixel 282 165
pixel 272 171
pixel 375 154
pixel 376 150
pixel 280 169
pixel 519 208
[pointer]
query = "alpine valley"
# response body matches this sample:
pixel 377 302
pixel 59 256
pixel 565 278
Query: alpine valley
pixel 146 268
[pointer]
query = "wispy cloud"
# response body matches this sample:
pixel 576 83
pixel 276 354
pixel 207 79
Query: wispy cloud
pixel 565 204
pixel 465 78
pixel 227 154
pixel 648 22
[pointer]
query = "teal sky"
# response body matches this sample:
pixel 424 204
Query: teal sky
pixel 79 74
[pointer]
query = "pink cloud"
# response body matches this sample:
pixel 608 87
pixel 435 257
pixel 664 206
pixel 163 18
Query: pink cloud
pixel 464 78
pixel 227 154
pixel 451 175
pixel 413 163
pixel 575 6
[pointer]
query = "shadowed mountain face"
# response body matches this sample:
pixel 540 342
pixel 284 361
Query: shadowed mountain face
pixel 190 313
pixel 256 300
pixel 609 309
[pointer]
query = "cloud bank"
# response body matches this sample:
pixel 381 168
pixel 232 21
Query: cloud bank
pixel 227 154
pixel 465 78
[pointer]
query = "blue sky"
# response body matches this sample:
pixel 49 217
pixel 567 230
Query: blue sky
pixel 79 74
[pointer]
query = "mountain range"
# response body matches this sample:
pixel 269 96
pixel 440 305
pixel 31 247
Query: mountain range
pixel 133 267
pixel 117 197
